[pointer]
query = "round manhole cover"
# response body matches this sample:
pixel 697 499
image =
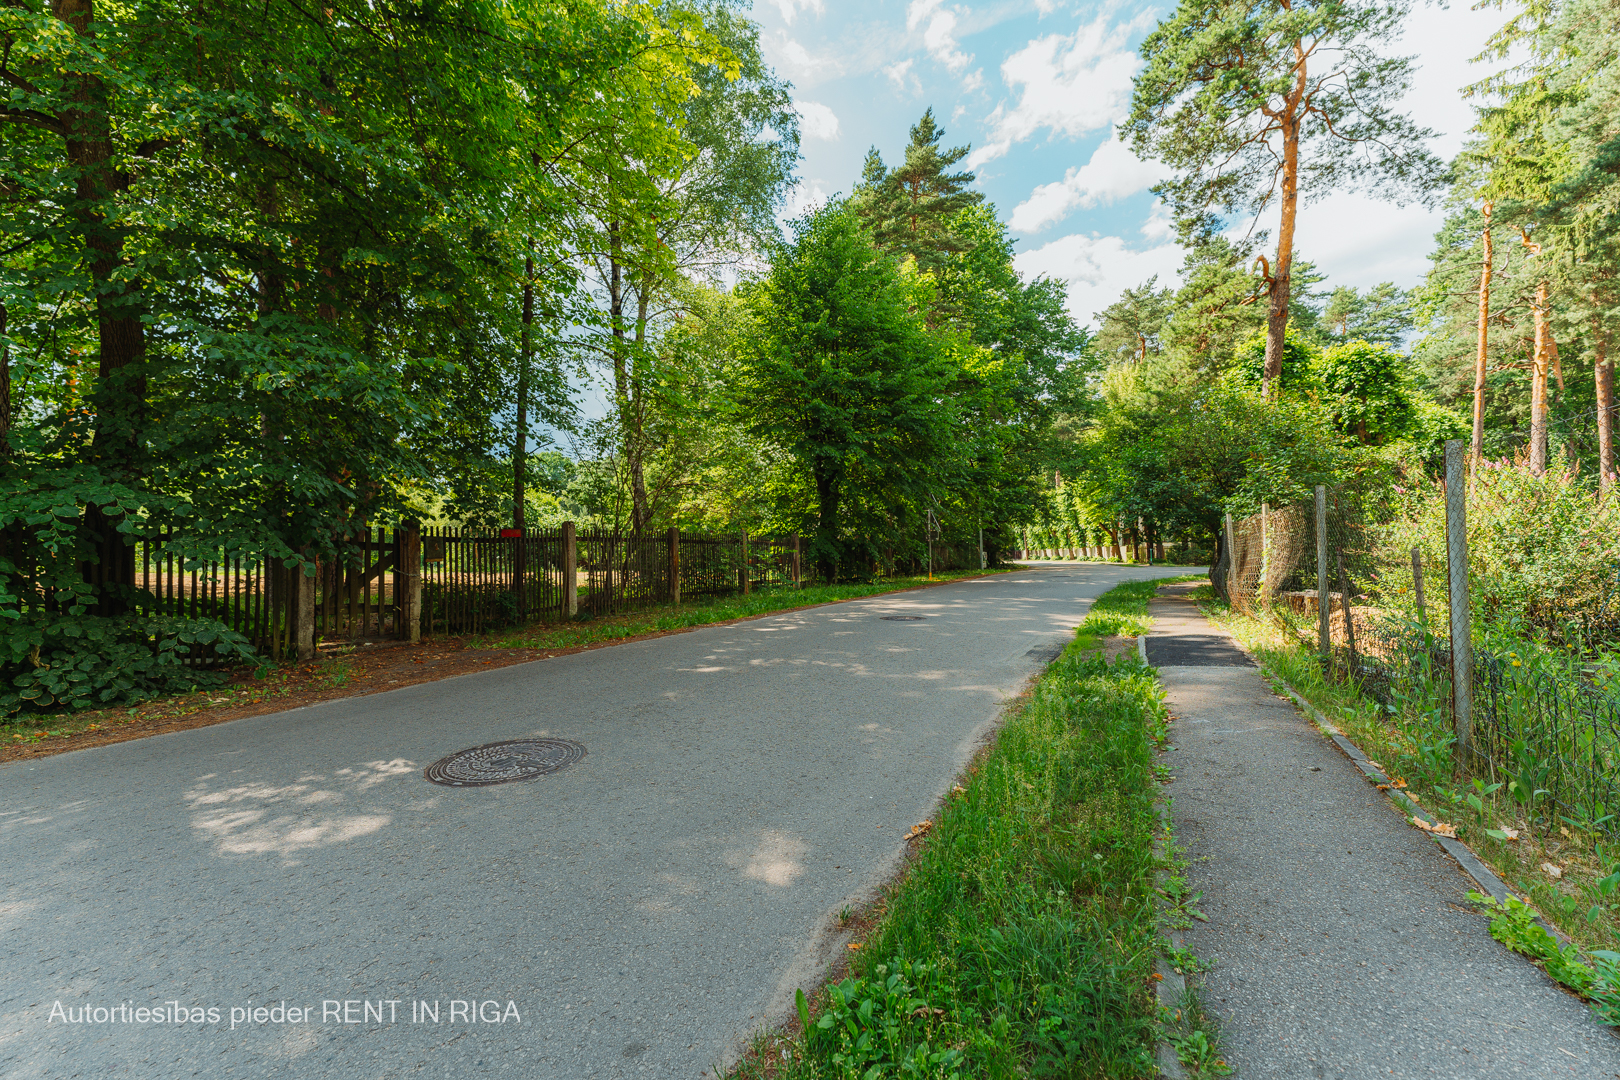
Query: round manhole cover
pixel 904 618
pixel 504 762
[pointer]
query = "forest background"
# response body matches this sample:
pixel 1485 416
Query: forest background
pixel 271 275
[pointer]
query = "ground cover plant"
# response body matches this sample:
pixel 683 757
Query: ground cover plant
pixel 1022 940
pixel 1568 870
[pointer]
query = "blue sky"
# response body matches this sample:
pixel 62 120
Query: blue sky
pixel 1036 87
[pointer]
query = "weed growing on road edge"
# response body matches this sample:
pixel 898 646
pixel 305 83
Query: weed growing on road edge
pixel 1196 1038
pixel 1514 925
pixel 1022 939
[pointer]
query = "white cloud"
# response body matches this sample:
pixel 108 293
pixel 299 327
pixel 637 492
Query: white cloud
pixel 1071 84
pixel 939 33
pixel 818 121
pixel 791 8
pixel 1113 173
pixel 973 80
pixel 1046 7
pixel 898 73
pixel 1097 268
pixel 804 196
pixel 787 55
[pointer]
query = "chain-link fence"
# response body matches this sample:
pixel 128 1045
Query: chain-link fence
pixel 1541 708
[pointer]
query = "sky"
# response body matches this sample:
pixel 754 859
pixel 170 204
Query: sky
pixel 1037 88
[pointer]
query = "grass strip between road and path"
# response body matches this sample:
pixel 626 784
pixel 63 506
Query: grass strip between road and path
pixel 1582 899
pixel 571 635
pixel 1021 940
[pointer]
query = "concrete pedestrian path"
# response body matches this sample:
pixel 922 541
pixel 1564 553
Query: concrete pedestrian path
pixel 1343 941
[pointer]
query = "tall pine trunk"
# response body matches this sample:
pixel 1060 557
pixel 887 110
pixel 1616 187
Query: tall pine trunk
pixel 1603 375
pixel 1541 367
pixel 1477 448
pixel 1280 286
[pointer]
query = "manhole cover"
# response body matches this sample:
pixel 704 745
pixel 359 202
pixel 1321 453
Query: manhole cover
pixel 504 762
pixel 904 618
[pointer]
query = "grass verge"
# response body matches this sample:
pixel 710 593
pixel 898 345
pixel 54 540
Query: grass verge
pixel 1021 941
pixel 719 609
pixel 1582 899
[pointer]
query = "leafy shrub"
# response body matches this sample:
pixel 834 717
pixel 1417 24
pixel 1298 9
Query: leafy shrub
pixel 82 661
pixel 1542 550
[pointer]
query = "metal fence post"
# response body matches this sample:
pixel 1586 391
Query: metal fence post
pixel 1462 648
pixel 1324 608
pixel 570 571
pixel 674 565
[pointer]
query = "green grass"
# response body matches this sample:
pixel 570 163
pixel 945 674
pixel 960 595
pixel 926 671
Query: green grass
pixel 701 613
pixel 1021 941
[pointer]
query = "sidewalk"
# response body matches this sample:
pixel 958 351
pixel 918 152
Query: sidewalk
pixel 1342 939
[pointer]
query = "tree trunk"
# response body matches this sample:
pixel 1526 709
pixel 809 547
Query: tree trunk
pixel 1281 283
pixel 520 446
pixel 1540 369
pixel 1603 374
pixel 5 388
pixel 826 546
pixel 120 394
pixel 1477 447
pixel 625 382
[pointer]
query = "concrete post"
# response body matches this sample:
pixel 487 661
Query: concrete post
pixel 1231 561
pixel 1324 607
pixel 570 571
pixel 798 561
pixel 1462 646
pixel 674 565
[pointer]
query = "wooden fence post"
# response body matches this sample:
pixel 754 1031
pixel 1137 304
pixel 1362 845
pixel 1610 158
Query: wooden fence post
pixel 1462 645
pixel 570 571
pixel 408 582
pixel 1324 609
pixel 674 565
pixel 798 556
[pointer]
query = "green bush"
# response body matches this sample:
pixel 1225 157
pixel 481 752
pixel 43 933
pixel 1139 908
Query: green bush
pixel 1542 550
pixel 81 661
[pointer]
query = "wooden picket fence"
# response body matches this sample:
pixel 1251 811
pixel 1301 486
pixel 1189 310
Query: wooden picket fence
pixel 408 582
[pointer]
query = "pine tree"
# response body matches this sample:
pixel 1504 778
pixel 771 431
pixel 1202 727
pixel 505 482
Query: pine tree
pixel 909 208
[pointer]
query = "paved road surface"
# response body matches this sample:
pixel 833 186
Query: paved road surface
pixel 638 914
pixel 1343 939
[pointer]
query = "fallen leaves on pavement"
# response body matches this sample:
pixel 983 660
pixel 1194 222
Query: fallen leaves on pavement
pixel 1439 828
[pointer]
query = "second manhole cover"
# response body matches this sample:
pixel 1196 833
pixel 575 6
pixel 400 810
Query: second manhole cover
pixel 504 762
pixel 904 618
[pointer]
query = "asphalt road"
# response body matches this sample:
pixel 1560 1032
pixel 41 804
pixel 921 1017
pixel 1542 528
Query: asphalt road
pixel 638 914
pixel 1343 942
